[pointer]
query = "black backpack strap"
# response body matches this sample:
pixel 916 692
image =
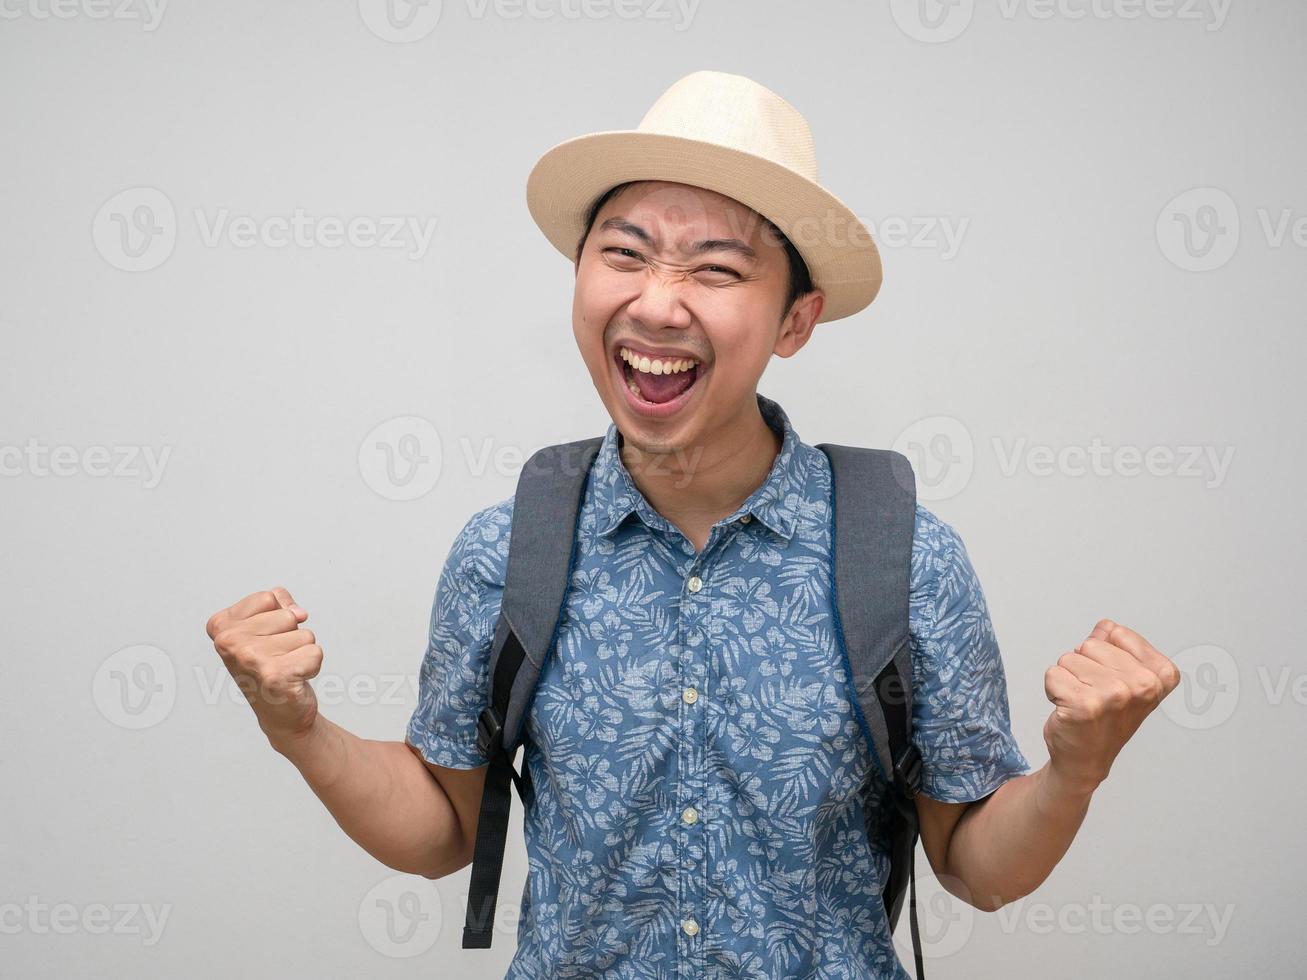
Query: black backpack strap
pixel 546 507
pixel 874 516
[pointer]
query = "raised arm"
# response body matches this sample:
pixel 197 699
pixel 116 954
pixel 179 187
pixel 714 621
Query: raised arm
pixel 1001 848
pixel 410 815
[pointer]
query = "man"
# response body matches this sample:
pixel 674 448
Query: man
pixel 700 782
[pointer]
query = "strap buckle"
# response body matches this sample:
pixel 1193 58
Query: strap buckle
pixel 907 772
pixel 489 731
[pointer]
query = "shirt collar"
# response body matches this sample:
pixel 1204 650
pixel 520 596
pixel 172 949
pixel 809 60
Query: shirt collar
pixel 775 503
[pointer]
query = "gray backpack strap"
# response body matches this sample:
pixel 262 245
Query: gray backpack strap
pixel 874 503
pixel 541 549
pixel 545 514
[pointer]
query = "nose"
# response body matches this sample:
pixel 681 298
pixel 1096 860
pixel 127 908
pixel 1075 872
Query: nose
pixel 660 302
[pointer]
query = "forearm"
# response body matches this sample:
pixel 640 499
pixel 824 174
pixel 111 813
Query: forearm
pixel 382 796
pixel 1005 846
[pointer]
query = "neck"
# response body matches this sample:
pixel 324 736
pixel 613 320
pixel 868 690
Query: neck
pixel 696 486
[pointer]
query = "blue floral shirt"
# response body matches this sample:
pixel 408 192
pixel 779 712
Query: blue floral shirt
pixel 700 777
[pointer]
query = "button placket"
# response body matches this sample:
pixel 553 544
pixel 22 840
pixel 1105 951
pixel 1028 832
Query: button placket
pixel 689 824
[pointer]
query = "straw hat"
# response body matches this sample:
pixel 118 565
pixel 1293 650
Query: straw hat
pixel 731 135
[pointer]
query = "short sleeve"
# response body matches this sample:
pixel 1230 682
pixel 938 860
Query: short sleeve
pixel 961 723
pixel 453 683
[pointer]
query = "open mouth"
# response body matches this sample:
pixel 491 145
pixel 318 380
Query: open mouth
pixel 656 387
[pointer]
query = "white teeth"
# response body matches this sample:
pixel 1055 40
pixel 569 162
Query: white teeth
pixel 649 366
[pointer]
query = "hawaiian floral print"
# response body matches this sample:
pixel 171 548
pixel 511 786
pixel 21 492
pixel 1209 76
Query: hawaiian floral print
pixel 700 777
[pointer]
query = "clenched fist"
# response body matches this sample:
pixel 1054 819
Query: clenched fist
pixel 271 659
pixel 1103 690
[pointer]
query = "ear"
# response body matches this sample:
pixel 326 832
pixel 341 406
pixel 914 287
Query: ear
pixel 796 329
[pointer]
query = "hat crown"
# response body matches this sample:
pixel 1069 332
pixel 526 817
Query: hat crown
pixel 735 111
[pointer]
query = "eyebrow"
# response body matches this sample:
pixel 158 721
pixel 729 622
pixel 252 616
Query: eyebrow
pixel 698 248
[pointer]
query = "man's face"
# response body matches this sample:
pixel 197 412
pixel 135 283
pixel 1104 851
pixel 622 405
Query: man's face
pixel 689 274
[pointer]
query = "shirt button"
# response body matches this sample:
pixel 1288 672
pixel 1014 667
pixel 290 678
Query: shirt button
pixel 695 583
pixel 690 927
pixel 746 518
pixel 689 695
pixel 690 814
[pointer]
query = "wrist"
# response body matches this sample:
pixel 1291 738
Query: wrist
pixel 296 745
pixel 1060 791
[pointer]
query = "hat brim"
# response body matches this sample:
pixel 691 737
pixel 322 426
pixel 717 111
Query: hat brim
pixel 841 255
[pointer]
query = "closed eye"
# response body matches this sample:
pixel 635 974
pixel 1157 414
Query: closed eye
pixel 630 252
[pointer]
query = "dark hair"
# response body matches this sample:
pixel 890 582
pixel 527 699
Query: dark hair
pixel 800 278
